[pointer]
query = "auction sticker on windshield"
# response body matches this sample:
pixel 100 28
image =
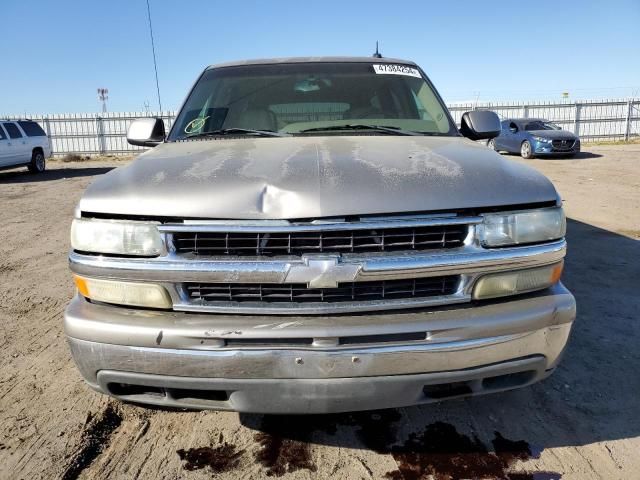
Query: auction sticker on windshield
pixel 391 69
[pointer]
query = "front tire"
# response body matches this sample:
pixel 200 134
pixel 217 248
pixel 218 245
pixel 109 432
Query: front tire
pixel 492 144
pixel 38 162
pixel 525 150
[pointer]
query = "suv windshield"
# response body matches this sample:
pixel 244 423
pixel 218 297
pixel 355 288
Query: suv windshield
pixel 540 125
pixel 307 98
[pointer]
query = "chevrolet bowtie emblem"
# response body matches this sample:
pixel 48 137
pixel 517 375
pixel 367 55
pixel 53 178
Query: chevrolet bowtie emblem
pixel 322 271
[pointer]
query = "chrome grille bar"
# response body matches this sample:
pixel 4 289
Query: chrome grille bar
pixel 208 293
pixel 268 226
pixel 270 239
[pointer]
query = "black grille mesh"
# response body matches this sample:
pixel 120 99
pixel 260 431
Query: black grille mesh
pixel 562 144
pixel 341 241
pixel 344 292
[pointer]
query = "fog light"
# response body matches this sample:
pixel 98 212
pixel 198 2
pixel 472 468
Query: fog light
pixel 124 293
pixel 515 282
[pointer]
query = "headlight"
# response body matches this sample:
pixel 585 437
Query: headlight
pixel 124 293
pixel 529 226
pixel 518 281
pixel 541 139
pixel 116 237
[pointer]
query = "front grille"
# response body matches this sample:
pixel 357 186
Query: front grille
pixel 566 144
pixel 344 292
pixel 384 239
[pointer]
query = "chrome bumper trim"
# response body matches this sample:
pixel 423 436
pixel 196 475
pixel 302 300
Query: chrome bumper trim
pixel 172 268
pixel 189 331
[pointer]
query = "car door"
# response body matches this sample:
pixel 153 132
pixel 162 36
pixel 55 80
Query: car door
pixel 5 153
pixel 501 139
pixel 28 137
pixel 512 143
pixel 19 149
pixel 35 136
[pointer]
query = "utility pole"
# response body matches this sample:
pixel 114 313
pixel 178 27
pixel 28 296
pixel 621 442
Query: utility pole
pixel 103 96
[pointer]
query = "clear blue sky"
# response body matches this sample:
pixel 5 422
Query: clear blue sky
pixel 57 52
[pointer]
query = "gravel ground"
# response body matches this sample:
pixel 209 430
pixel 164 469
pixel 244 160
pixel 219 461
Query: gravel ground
pixel 582 423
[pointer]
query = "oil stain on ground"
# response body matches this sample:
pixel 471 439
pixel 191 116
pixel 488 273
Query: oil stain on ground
pixel 441 453
pixel 94 440
pixel 285 440
pixel 221 458
pixel 437 452
pixel 284 443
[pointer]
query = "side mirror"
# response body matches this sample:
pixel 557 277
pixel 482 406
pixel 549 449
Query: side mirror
pixel 480 124
pixel 146 132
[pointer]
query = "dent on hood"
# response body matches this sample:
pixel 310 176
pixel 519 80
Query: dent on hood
pixel 306 177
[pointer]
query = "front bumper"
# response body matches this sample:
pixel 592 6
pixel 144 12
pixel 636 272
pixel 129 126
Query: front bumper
pixel 352 362
pixel 541 149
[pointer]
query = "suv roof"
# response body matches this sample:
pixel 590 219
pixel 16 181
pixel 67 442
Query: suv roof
pixel 270 61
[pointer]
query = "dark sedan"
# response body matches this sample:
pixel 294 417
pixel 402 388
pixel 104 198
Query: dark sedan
pixel 534 137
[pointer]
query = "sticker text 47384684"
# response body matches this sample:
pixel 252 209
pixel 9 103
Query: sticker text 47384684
pixel 393 69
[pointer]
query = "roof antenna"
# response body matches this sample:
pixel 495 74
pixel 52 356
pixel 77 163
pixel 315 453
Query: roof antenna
pixel 377 54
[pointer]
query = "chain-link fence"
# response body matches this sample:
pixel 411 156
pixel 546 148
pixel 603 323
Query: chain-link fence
pixel 591 120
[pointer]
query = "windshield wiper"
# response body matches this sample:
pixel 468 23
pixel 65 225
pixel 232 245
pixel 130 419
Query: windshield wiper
pixel 362 126
pixel 234 130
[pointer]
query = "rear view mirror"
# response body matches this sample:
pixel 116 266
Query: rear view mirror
pixel 146 132
pixel 480 124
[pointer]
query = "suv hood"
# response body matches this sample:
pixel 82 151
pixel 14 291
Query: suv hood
pixel 311 176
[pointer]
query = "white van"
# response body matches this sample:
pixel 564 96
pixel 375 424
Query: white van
pixel 23 142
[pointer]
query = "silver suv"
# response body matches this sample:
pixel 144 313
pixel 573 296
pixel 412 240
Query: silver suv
pixel 23 142
pixel 317 235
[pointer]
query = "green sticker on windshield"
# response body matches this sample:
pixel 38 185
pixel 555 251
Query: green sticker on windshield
pixel 195 125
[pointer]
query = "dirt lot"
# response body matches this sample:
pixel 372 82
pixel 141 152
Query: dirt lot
pixel 581 423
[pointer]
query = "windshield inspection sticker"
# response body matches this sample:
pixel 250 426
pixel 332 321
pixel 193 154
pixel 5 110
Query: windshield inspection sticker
pixel 391 69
